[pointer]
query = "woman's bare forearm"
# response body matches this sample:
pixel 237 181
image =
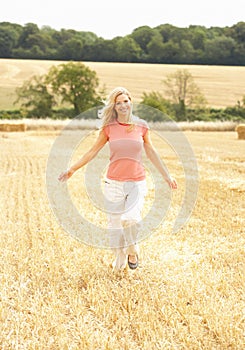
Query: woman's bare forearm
pixel 86 158
pixel 156 161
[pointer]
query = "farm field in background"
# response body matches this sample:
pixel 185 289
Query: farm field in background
pixel 188 292
pixel 222 85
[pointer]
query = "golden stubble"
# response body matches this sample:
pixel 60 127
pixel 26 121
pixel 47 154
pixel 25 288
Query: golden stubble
pixel 188 292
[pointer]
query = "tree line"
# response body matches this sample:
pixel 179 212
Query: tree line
pixel 165 44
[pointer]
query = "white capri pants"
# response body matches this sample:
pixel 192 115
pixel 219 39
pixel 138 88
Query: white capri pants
pixel 124 202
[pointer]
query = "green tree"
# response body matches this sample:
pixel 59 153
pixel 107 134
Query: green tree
pixel 155 48
pixel 71 50
pixel 101 51
pixel 183 92
pixel 160 107
pixel 9 35
pixel 7 42
pixel 88 38
pixel 237 32
pixel 170 52
pixel 76 84
pixel 29 29
pixel 197 36
pixel 187 52
pixel 220 50
pixel 35 98
pixel 142 36
pixel 128 50
pixel 166 31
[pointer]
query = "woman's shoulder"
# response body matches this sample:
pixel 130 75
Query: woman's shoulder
pixel 108 127
pixel 140 122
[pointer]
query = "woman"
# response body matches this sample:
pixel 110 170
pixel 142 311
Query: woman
pixel 125 183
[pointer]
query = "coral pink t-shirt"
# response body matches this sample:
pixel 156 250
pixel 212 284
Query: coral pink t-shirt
pixel 126 150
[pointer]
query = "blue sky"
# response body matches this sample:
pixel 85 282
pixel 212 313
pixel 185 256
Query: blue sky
pixel 112 18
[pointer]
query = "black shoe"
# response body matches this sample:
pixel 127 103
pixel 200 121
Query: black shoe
pixel 133 266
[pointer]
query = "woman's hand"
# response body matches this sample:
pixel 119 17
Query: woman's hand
pixel 172 183
pixel 65 175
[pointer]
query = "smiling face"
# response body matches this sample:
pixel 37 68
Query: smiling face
pixel 123 107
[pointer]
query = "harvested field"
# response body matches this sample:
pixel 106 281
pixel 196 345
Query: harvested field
pixel 188 292
pixel 222 85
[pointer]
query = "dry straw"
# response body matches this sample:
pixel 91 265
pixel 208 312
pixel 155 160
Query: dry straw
pixel 240 129
pixel 188 292
pixel 12 127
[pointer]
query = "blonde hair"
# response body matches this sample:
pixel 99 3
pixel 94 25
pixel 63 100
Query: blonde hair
pixel 108 113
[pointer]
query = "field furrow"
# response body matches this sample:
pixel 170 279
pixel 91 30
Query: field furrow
pixel 7 189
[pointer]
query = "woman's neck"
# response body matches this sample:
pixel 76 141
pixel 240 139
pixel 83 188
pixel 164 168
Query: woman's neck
pixel 124 119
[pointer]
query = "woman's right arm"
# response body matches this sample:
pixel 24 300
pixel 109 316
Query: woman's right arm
pixel 87 157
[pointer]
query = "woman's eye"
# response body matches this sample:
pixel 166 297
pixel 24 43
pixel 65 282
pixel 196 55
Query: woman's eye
pixel 120 103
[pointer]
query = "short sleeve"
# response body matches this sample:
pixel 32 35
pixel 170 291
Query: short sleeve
pixel 145 128
pixel 106 131
pixel 144 125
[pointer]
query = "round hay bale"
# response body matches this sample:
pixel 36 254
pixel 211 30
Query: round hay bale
pixel 240 129
pixel 12 127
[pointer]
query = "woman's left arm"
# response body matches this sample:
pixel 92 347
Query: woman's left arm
pixel 156 161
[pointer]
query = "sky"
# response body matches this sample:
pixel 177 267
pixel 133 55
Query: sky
pixel 111 18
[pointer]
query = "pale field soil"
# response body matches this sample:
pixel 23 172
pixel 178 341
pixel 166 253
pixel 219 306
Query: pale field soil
pixel 58 293
pixel 222 85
